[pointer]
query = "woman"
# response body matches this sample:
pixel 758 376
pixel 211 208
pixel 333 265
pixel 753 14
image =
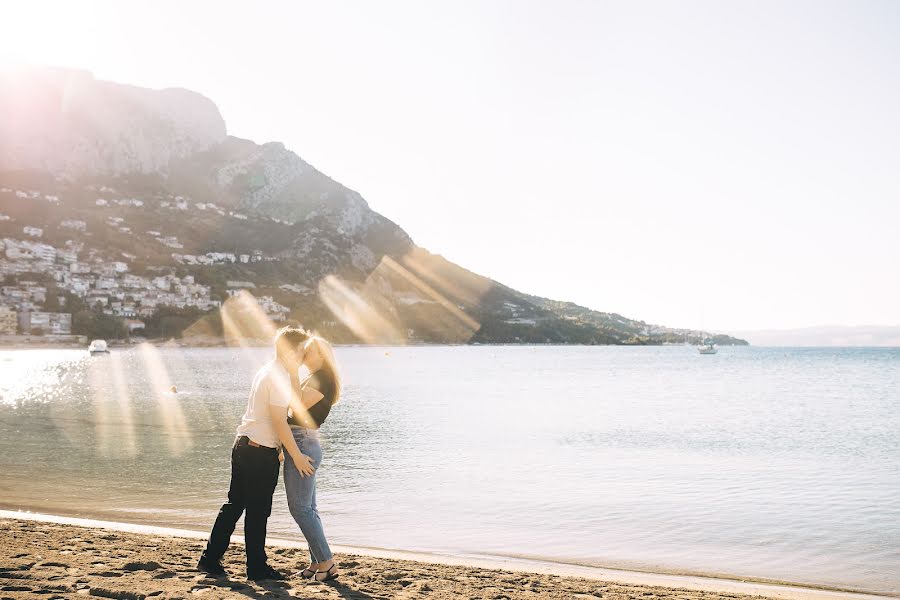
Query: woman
pixel 309 409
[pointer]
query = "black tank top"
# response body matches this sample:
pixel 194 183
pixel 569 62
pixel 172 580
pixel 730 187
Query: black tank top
pixel 322 380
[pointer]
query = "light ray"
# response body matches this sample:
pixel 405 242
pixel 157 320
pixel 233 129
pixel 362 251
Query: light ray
pixel 466 321
pixel 177 432
pixel 123 398
pixel 461 286
pixel 99 386
pixel 246 325
pixel 358 315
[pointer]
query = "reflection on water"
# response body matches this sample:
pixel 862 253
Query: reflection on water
pixel 776 463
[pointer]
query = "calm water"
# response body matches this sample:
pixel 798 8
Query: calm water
pixel 760 462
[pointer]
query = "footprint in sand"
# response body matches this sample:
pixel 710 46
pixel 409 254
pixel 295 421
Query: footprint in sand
pixel 234 585
pixel 164 575
pixel 117 594
pixel 142 566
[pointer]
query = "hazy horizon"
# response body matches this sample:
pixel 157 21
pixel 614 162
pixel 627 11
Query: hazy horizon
pixel 720 167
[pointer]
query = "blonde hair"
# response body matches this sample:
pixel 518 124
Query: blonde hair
pixel 328 361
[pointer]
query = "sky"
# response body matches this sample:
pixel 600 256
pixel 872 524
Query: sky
pixel 716 165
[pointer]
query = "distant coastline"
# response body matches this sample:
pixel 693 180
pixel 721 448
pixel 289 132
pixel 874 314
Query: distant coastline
pixel 826 336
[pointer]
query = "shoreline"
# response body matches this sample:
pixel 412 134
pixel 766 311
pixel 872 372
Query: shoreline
pixel 705 584
pixel 177 343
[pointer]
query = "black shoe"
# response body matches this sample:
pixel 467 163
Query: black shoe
pixel 266 573
pixel 212 567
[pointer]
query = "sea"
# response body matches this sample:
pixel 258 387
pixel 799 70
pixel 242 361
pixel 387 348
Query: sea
pixel 770 463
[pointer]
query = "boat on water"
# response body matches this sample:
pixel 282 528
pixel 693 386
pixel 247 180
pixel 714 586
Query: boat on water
pixel 98 347
pixel 707 347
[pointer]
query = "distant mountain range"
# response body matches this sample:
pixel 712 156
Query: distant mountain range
pixel 338 265
pixel 829 335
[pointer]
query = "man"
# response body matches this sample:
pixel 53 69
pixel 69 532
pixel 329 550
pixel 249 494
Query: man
pixel 263 432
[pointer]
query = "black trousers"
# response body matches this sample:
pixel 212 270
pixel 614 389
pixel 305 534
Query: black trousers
pixel 254 475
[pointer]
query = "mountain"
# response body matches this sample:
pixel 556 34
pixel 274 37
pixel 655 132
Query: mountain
pixel 66 122
pixel 160 187
pixel 827 335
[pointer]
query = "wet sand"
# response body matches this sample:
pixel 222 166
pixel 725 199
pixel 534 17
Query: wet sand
pixel 54 560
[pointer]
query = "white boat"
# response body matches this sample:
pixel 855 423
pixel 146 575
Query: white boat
pixel 98 347
pixel 707 347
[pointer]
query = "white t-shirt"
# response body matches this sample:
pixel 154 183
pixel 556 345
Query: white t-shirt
pixel 271 387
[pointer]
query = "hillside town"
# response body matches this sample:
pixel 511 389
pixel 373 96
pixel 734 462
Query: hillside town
pixel 36 276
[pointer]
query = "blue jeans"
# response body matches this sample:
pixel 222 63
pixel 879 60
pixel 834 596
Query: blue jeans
pixel 301 494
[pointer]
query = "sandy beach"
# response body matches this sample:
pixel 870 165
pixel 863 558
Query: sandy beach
pixel 54 560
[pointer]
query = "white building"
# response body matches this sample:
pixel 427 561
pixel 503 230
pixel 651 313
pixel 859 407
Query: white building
pixel 163 282
pixel 43 252
pixel 134 325
pixel 75 224
pixel 170 241
pixel 47 322
pixel 105 283
pixel 221 257
pixel 277 312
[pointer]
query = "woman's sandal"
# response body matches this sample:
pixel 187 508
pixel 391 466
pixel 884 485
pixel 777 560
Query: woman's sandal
pixel 307 573
pixel 328 574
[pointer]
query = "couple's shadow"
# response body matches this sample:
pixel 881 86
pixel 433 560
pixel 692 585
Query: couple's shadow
pixel 279 589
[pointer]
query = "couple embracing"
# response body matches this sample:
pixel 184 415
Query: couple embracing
pixel 281 423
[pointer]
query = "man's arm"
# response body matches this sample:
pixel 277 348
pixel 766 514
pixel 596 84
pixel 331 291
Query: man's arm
pixel 304 398
pixel 283 430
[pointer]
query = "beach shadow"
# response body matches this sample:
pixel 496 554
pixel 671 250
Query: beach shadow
pixel 270 589
pixel 232 583
pixel 280 589
pixel 348 593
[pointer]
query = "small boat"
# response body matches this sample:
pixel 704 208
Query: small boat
pixel 98 347
pixel 707 347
